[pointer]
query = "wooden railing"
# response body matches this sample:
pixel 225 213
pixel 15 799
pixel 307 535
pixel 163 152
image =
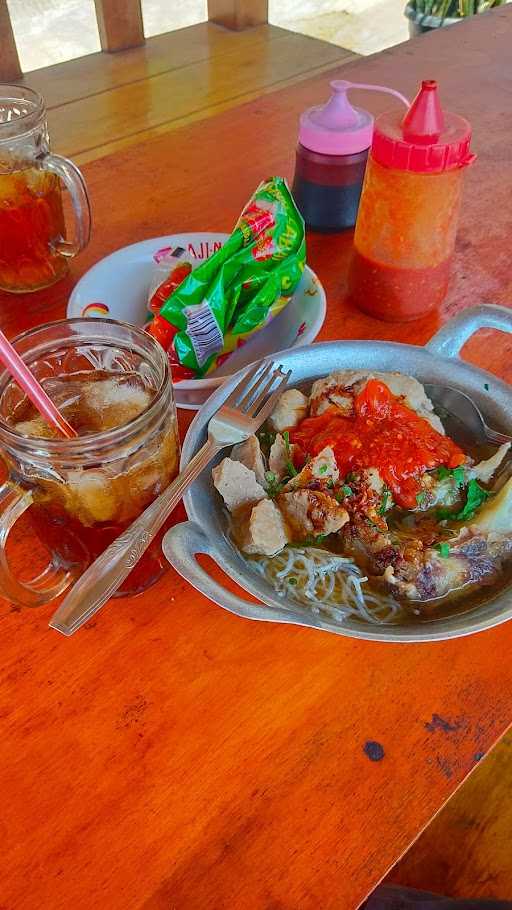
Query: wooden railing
pixel 120 26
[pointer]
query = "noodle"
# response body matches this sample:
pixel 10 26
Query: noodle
pixel 326 583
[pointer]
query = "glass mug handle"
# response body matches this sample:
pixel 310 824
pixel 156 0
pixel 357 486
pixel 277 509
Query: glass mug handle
pixel 75 184
pixel 51 582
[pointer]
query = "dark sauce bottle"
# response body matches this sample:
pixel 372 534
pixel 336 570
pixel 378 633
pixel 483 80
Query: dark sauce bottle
pixel 334 140
pixel 327 188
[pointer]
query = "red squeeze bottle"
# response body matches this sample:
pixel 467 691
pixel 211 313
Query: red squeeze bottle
pixel 405 233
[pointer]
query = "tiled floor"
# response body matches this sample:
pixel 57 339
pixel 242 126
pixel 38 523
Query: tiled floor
pixel 363 26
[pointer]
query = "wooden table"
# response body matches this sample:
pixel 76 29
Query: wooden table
pixel 171 755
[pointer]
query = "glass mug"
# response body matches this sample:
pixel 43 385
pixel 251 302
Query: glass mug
pixel 80 494
pixel 34 251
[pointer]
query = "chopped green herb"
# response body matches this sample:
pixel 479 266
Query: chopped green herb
pixel 343 492
pixel 351 476
pixel 310 539
pixel 486 386
pixel 322 469
pixel 475 497
pixel 330 484
pixel 272 483
pixel 456 473
pixel 420 497
pixel 386 501
pixel 458 476
pixel 444 549
pixel 292 581
pixel 290 467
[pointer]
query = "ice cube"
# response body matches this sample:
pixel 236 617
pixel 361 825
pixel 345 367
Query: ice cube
pixel 64 393
pixel 38 181
pixel 150 471
pixel 36 427
pixel 113 402
pixel 92 496
pixel 169 451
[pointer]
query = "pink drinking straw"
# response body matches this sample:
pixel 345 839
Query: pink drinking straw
pixel 33 390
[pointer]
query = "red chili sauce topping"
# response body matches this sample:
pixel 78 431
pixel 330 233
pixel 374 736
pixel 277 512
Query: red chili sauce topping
pixel 383 433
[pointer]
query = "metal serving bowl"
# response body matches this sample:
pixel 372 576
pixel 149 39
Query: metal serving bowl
pixel 206 532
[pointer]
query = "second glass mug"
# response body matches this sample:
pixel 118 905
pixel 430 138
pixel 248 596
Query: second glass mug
pixel 34 251
pixel 80 494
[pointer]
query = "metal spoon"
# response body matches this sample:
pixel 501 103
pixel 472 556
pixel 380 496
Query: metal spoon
pixel 460 406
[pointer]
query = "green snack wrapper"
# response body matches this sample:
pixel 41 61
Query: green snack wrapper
pixel 243 285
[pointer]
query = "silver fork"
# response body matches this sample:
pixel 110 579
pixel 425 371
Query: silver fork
pixel 243 412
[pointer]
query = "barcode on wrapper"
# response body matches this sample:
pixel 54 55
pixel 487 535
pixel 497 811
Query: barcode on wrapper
pixel 203 331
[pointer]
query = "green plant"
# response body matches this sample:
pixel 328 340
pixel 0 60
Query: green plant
pixel 444 9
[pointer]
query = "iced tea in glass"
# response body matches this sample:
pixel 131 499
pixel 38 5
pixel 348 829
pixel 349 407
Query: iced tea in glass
pixel 111 381
pixel 34 249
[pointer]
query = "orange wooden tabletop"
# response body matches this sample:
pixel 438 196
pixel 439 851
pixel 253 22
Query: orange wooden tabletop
pixel 171 755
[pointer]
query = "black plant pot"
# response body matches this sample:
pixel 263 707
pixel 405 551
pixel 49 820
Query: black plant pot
pixel 419 24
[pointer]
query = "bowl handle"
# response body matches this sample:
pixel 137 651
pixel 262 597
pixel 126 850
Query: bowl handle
pixel 180 545
pixel 454 334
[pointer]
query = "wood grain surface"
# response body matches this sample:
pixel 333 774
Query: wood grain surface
pixel 171 755
pixel 465 851
pixel 95 73
pixel 238 14
pixel 103 102
pixel 191 91
pixel 10 68
pixel 119 24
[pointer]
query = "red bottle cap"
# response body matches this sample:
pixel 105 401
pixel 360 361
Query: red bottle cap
pixel 426 140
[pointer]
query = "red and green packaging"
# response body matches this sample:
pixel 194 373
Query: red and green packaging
pixel 239 289
pixel 171 268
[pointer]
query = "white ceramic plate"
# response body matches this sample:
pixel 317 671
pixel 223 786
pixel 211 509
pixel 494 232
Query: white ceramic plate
pixel 117 287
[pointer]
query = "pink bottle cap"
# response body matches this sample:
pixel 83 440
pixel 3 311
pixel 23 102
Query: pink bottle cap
pixel 338 128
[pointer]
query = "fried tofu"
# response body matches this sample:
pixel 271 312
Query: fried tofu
pixel 249 454
pixel 340 388
pixel 494 517
pixel 279 456
pixel 291 408
pixel 330 392
pixel 263 531
pixel 321 469
pixel 311 512
pixel 484 470
pixel 237 484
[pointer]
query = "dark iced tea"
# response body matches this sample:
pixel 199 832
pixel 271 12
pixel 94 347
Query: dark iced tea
pixel 31 220
pixel 78 511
